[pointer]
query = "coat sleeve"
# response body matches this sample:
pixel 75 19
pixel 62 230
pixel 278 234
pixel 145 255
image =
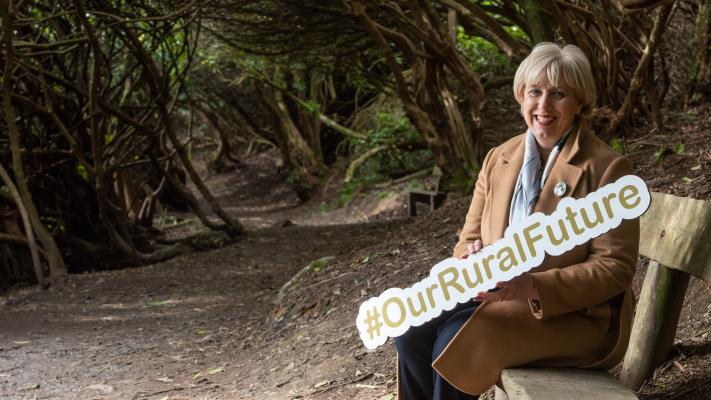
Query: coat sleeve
pixel 607 271
pixel 472 225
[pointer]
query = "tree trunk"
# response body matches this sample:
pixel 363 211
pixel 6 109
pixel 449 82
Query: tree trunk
pixel 431 106
pixel 639 76
pixel 308 119
pixel 224 149
pixel 231 225
pixel 539 21
pixel 700 73
pixel 29 233
pixel 57 269
pixel 295 151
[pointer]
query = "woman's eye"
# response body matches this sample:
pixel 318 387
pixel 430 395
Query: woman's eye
pixel 534 92
pixel 558 94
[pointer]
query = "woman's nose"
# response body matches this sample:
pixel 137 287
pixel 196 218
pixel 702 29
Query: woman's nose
pixel 544 102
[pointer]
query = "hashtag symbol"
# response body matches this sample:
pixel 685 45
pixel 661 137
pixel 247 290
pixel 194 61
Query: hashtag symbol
pixel 372 320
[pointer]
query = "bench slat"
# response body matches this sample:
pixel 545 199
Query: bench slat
pixel 675 231
pixel 562 384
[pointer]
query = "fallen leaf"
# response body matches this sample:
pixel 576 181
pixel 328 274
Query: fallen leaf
pixel 280 384
pixel 678 365
pixel 211 371
pixel 156 303
pixel 389 396
pixel 364 386
pixel 31 386
pixel 22 342
pixel 313 309
pixel 279 312
pixel 204 338
pixel 322 383
pixel 164 380
pixel 104 389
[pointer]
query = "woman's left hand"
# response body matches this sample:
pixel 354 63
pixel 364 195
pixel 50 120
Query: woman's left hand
pixel 518 288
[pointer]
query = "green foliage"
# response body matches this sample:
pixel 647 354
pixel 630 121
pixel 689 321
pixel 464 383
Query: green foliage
pixel 679 148
pixel 414 185
pixel 391 128
pixel 81 170
pixel 517 32
pixel 395 131
pixel 158 303
pixel 323 207
pixel 618 145
pixel 318 265
pixel 659 154
pixel 461 181
pixel 313 107
pixel 664 151
pixel 483 56
pixel 382 195
pixel 348 191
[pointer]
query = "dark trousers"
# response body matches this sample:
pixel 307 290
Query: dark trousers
pixel 420 346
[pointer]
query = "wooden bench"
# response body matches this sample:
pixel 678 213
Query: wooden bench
pixel 434 198
pixel 675 235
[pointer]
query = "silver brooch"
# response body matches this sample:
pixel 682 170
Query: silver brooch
pixel 559 189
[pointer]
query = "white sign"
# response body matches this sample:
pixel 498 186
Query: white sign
pixel 523 247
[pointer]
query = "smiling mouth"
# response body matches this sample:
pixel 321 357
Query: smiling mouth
pixel 544 119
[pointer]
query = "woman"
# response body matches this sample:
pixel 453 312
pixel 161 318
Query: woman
pixel 574 309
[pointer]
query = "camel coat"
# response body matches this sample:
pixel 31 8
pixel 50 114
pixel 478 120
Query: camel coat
pixel 586 302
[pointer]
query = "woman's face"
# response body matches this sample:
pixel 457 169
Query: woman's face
pixel 548 110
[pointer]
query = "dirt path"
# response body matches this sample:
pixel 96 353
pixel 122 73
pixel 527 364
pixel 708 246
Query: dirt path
pixel 194 327
pixel 129 333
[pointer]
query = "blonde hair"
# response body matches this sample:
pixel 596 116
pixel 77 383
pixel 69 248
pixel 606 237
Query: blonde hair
pixel 566 63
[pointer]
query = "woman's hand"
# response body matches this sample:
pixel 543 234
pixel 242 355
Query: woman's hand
pixel 518 288
pixel 474 247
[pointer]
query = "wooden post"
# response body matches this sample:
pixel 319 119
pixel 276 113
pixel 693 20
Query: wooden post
pixel 655 322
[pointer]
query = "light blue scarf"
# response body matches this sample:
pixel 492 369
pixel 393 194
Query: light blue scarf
pixel 527 186
pixel 532 177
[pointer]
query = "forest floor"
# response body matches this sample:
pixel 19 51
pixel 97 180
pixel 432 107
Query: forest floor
pixel 211 324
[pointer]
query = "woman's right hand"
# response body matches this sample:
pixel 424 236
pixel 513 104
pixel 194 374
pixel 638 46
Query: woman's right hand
pixel 473 248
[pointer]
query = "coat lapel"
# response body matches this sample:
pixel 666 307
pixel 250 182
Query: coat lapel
pixel 564 170
pixel 504 176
